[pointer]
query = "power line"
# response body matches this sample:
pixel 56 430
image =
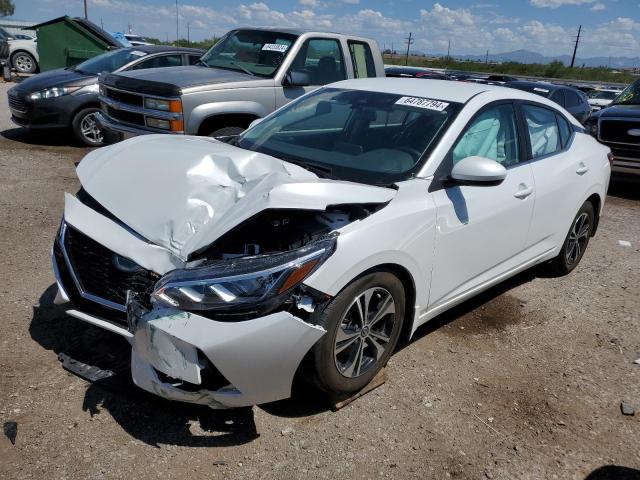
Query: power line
pixel 575 48
pixel 409 43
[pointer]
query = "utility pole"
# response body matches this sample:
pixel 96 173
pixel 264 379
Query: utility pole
pixel 575 48
pixel 409 43
pixel 391 50
pixel 86 15
pixel 177 25
pixel 449 50
pixel 486 58
pixel 188 34
pixel 129 27
pixel 101 24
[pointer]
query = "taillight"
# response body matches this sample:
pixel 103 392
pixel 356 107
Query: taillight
pixel 610 157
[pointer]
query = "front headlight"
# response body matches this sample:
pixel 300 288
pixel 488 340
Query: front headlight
pixel 243 282
pixel 53 92
pixel 174 106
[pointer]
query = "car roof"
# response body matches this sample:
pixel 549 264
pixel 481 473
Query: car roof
pixel 446 90
pixel 302 31
pixel 164 48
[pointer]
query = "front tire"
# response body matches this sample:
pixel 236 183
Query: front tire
pixel 86 129
pixel 24 62
pixel 363 324
pixel 227 132
pixel 576 241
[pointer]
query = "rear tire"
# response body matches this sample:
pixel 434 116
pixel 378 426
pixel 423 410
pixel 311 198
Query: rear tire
pixel 352 352
pixel 23 62
pixel 576 241
pixel 86 129
pixel 227 132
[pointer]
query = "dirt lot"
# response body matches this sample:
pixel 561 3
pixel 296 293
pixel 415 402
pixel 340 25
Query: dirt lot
pixel 524 382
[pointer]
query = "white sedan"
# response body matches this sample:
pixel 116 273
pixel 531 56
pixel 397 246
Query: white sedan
pixel 324 234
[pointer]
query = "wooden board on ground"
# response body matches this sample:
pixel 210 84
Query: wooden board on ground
pixel 338 402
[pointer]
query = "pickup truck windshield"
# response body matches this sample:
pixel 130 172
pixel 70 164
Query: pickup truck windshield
pixel 110 61
pixel 256 52
pixel 630 95
pixel 355 135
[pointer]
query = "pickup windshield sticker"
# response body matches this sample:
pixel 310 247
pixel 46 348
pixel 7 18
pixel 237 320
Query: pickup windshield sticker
pixel 275 47
pixel 427 103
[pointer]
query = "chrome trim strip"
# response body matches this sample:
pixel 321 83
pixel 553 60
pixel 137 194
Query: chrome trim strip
pixel 84 294
pixel 126 107
pixel 99 322
pixel 56 274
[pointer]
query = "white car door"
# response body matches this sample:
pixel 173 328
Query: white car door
pixel 481 230
pixel 558 176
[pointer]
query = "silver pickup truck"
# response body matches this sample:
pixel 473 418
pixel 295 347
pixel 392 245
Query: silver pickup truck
pixel 248 74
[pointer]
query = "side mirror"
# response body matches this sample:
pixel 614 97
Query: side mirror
pixel 478 171
pixel 295 78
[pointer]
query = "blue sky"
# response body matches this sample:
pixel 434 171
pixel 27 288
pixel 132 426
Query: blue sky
pixel 610 27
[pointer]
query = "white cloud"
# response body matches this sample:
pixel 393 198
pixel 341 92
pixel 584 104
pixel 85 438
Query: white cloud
pixel 309 3
pixel 558 3
pixel 598 7
pixel 352 2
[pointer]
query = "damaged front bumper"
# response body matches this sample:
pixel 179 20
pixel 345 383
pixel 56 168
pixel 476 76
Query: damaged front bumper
pixel 186 357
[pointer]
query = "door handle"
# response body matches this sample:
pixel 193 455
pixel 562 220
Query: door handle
pixel 582 169
pixel 524 191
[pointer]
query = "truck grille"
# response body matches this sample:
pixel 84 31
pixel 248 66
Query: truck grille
pixel 96 274
pixel 17 104
pixel 617 131
pixel 126 117
pixel 125 97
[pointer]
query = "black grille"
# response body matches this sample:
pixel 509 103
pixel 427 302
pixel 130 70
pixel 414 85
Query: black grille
pixel 125 97
pixel 17 104
pixel 127 117
pixel 617 131
pixel 97 274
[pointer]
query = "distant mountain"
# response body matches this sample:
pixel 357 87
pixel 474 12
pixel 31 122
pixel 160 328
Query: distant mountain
pixel 527 56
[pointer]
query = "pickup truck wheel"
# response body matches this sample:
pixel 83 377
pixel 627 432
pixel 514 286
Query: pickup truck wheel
pixel 86 129
pixel 24 62
pixel 227 132
pixel 363 324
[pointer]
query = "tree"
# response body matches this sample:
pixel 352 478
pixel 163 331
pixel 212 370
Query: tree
pixel 6 8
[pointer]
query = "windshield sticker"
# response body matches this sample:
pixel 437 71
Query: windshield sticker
pixel 426 103
pixel 138 53
pixel 275 47
pixel 543 90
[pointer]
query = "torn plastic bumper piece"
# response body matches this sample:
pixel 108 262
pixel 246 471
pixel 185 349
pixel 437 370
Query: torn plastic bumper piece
pixel 174 353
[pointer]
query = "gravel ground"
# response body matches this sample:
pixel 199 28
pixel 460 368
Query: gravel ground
pixel 525 381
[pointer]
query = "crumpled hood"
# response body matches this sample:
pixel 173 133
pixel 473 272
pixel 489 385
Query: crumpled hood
pixel 184 192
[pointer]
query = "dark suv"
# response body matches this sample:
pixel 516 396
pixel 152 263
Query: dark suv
pixel 574 101
pixel 618 127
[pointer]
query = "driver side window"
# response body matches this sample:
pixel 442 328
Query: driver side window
pixel 493 134
pixel 322 60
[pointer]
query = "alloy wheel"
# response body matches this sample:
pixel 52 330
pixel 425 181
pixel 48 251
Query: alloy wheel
pixel 578 238
pixel 90 130
pixel 23 63
pixel 364 332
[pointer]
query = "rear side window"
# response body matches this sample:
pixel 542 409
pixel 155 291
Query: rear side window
pixel 572 99
pixel 322 60
pixel 362 59
pixel 493 134
pixel 543 130
pixel 160 62
pixel 193 59
pixel 558 97
pixel 565 131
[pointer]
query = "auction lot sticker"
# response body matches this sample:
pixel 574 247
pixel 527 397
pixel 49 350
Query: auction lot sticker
pixel 426 103
pixel 275 47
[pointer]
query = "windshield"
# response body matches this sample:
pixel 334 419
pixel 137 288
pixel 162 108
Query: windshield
pixel 630 95
pixel 255 52
pixel 538 90
pixel 361 136
pixel 604 95
pixel 110 61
